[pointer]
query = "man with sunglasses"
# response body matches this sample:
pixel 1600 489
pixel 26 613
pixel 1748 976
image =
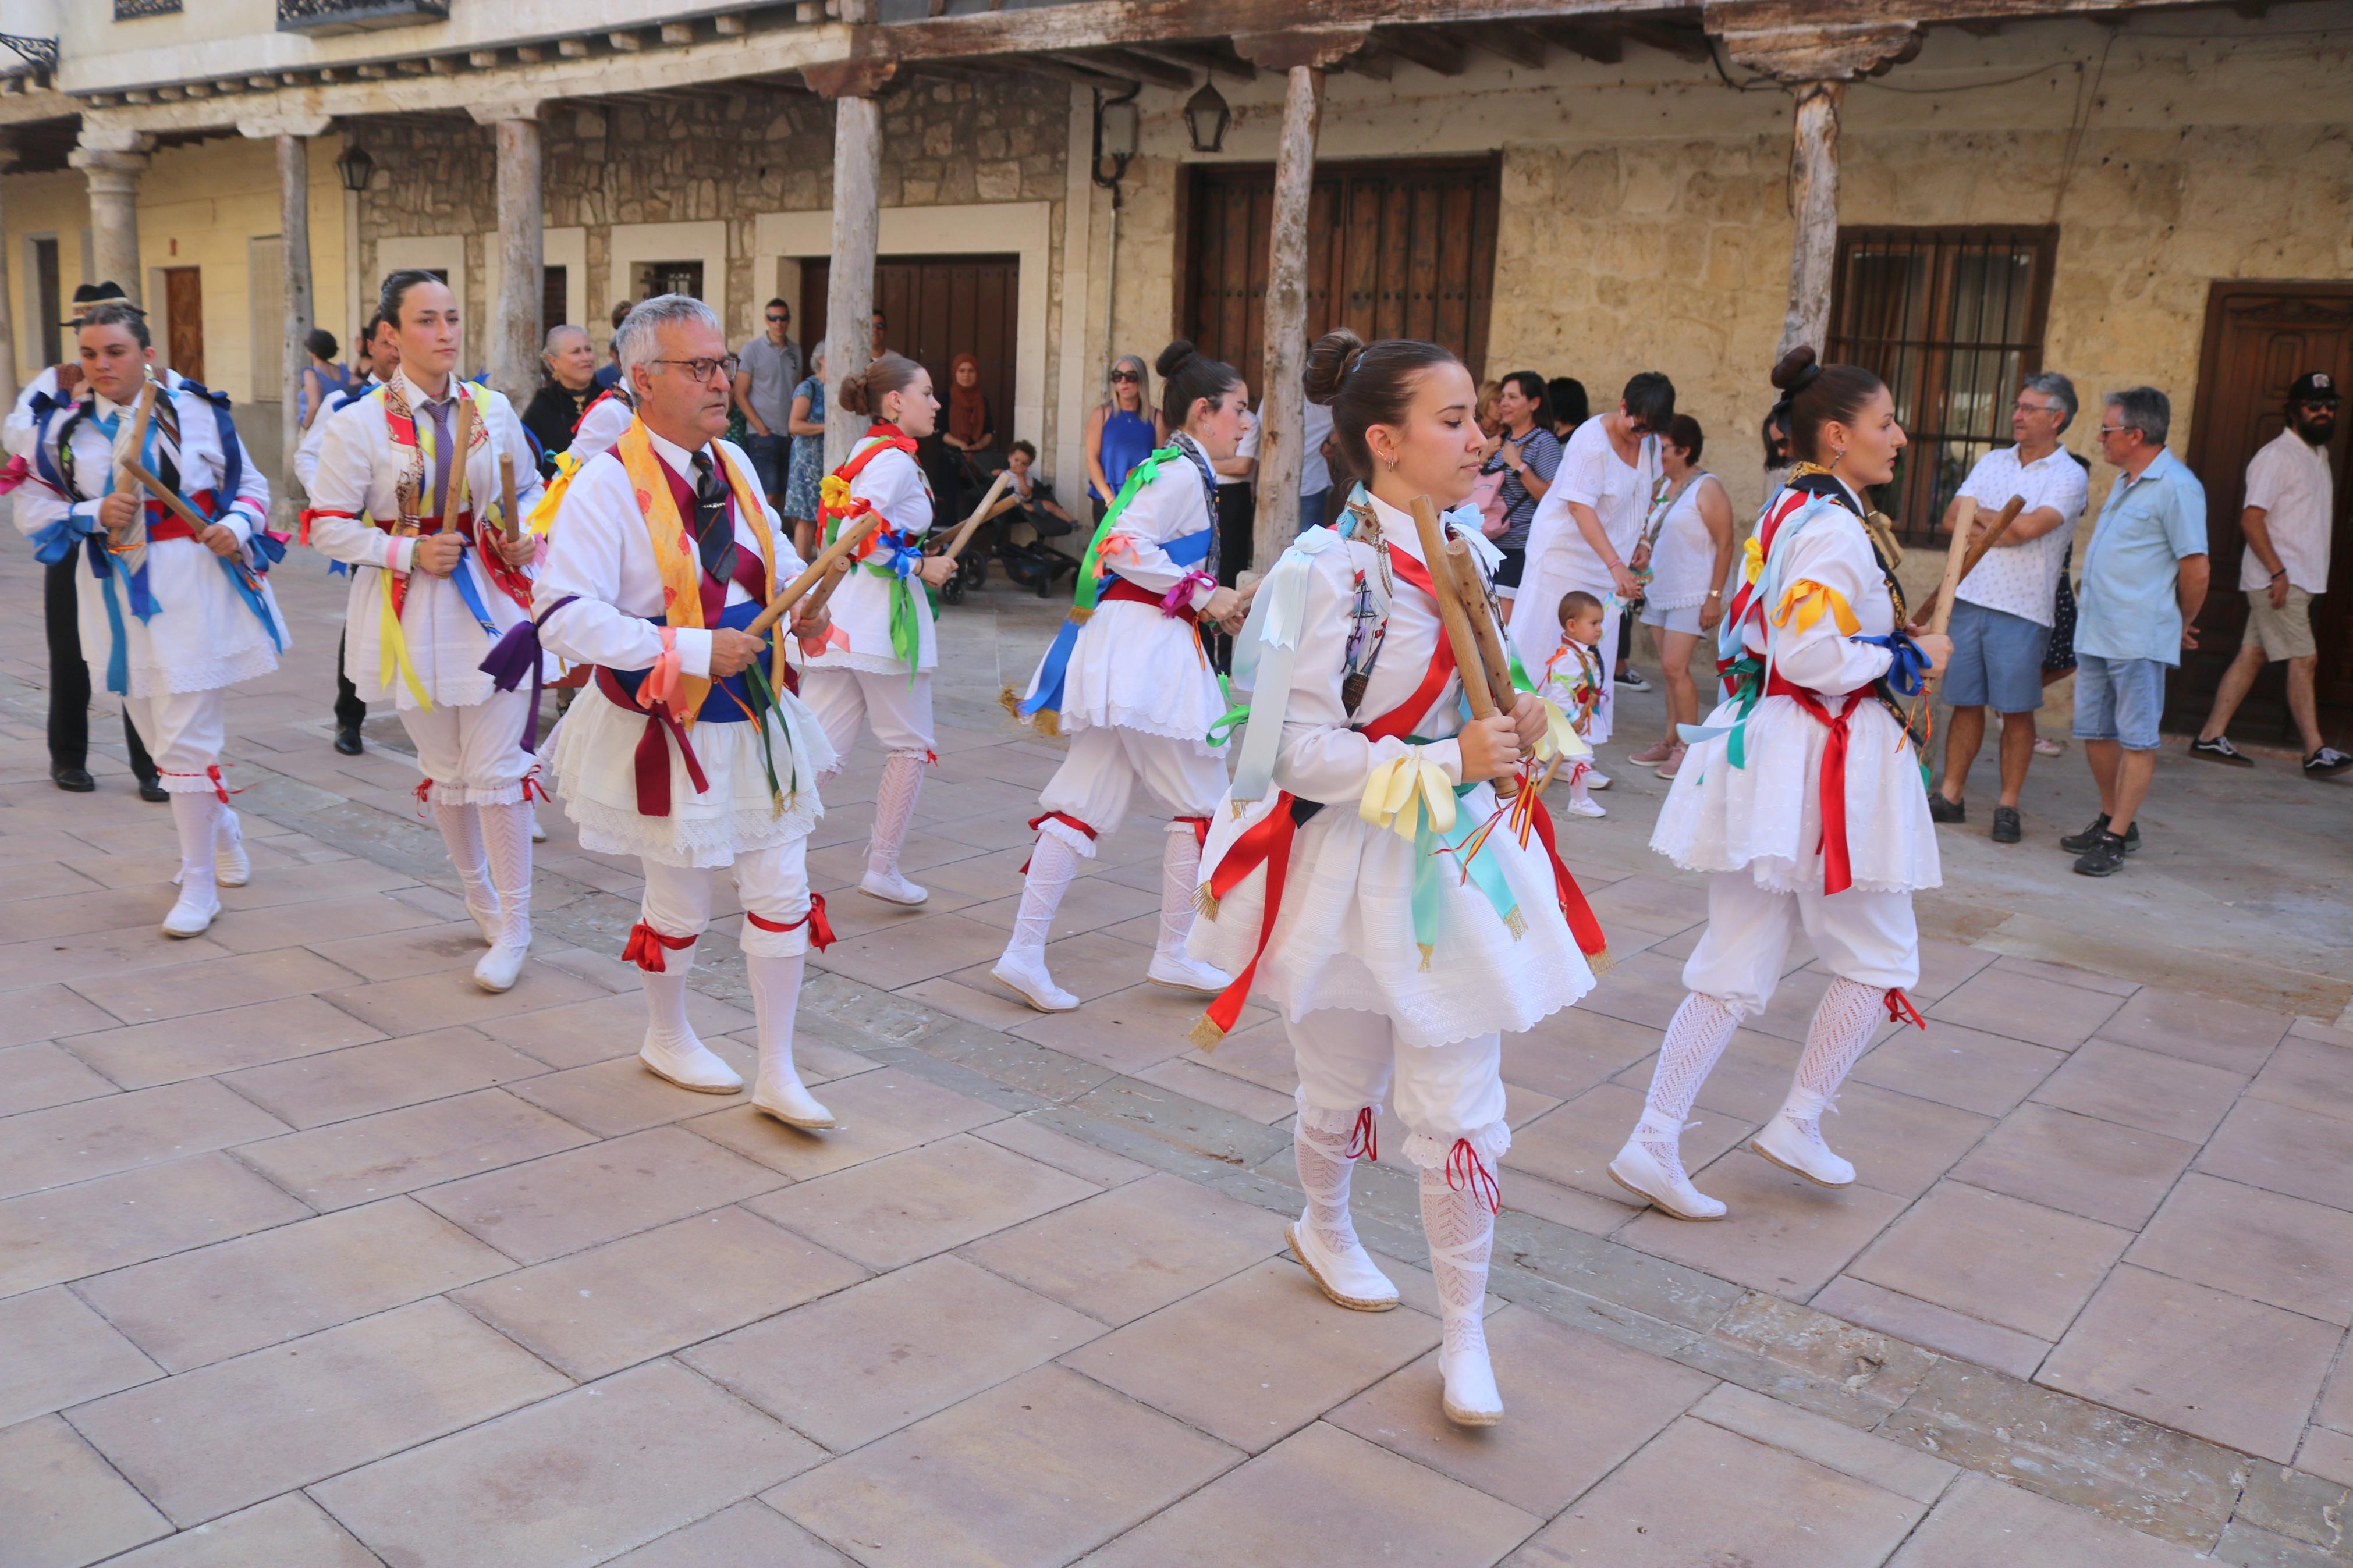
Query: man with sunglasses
pixel 2290 503
pixel 771 368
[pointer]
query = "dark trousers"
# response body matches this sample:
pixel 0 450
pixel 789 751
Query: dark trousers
pixel 350 711
pixel 1237 517
pixel 69 679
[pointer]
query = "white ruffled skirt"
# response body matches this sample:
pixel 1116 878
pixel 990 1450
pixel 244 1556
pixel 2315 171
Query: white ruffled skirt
pixel 1345 937
pixel 592 758
pixel 1766 818
pixel 1135 669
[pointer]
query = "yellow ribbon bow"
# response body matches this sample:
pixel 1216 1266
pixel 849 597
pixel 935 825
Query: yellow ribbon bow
pixel 1397 785
pixel 1560 737
pixel 1752 558
pixel 833 493
pixel 1806 602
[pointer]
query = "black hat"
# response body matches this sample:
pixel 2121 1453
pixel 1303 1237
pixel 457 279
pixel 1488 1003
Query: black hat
pixel 2313 387
pixel 90 294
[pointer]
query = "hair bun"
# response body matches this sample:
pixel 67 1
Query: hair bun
pixel 1329 359
pixel 1174 357
pixel 851 393
pixel 1797 370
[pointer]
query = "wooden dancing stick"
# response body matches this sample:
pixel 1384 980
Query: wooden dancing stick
pixel 507 496
pixel 1468 660
pixel 823 593
pixel 455 501
pixel 1480 614
pixel 980 514
pixel 838 551
pixel 127 472
pixel 155 486
pixel 1961 557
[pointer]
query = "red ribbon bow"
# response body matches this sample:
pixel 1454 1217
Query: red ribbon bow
pixel 1364 1138
pixel 645 948
pixel 820 929
pixel 1465 1168
pixel 1900 1009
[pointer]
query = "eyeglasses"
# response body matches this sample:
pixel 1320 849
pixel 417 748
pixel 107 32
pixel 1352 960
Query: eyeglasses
pixel 700 369
pixel 2117 429
pixel 778 320
pixel 1126 375
pixel 2022 407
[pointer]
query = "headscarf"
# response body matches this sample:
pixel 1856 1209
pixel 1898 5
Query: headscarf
pixel 967 407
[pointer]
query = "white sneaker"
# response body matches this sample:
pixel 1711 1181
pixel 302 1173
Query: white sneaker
pixel 1635 1170
pixel 891 887
pixel 231 867
pixel 499 969
pixel 1350 1278
pixel 690 1064
pixel 192 914
pixel 790 1102
pixel 1576 807
pixel 1025 974
pixel 538 833
pixel 1183 973
pixel 1595 779
pixel 1789 1146
pixel 1471 1397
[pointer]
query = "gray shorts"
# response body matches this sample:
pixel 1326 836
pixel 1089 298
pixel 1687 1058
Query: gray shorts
pixel 1997 659
pixel 2119 699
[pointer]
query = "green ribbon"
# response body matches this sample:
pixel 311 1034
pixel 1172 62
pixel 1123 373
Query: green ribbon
pixel 763 702
pixel 1429 875
pixel 1083 599
pixel 1749 671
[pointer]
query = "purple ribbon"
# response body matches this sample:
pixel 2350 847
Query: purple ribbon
pixel 1177 604
pixel 517 654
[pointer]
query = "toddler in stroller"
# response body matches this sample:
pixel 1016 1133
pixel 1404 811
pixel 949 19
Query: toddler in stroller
pixel 1033 563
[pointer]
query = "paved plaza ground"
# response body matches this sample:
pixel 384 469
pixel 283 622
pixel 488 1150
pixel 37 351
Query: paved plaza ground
pixel 313 1255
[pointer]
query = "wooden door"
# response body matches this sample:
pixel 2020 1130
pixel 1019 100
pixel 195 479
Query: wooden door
pixel 184 319
pixel 2259 338
pixel 1395 249
pixel 938 307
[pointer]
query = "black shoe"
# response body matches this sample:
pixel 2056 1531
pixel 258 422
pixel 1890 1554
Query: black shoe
pixel 1630 679
pixel 2103 859
pixel 2082 843
pixel 347 740
pixel 1943 810
pixel 2005 824
pixel 153 790
pixel 2220 749
pixel 76 781
pixel 2327 764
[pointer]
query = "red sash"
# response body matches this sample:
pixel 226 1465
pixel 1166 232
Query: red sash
pixel 163 523
pixel 1837 875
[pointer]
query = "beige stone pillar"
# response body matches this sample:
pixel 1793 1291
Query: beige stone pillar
pixel 857 224
pixel 516 331
pixel 1302 58
pixel 113 177
pixel 294 233
pixel 8 319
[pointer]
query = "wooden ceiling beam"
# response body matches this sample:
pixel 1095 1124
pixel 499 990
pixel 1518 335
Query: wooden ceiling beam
pixel 1683 43
pixel 1069 69
pixel 1206 57
pixel 1127 62
pixel 1597 43
pixel 1508 41
pixel 1424 47
pixel 1372 61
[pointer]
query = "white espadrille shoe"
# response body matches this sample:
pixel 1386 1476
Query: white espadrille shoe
pixel 1351 1279
pixel 1638 1171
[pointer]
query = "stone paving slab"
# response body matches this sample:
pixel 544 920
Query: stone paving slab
pixel 323 1254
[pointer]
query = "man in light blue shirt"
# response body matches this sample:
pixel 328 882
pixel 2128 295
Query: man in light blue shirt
pixel 2145 578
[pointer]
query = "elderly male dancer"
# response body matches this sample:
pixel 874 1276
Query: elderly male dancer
pixel 689 747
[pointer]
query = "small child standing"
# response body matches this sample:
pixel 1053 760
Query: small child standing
pixel 1573 683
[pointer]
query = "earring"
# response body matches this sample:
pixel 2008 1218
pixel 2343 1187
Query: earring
pixel 1838 457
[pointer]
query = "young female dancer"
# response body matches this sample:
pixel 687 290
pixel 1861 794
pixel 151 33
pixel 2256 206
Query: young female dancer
pixel 171 616
pixel 1342 879
pixel 878 664
pixel 1801 795
pixel 1130 683
pixel 434 584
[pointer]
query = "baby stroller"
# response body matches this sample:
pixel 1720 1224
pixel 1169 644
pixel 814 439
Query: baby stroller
pixel 1034 565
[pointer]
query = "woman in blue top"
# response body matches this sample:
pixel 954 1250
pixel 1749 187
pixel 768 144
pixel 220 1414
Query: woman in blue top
pixel 1121 435
pixel 322 379
pixel 806 465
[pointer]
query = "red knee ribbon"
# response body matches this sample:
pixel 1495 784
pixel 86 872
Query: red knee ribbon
pixel 645 948
pixel 1465 1168
pixel 213 772
pixel 1364 1138
pixel 532 786
pixel 1200 826
pixel 1900 1009
pixel 1067 820
pixel 424 791
pixel 820 929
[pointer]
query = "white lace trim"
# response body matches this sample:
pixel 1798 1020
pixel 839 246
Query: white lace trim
pixel 1315 1119
pixel 1126 717
pixel 700 842
pixel 196 675
pixel 868 663
pixel 1429 1150
pixel 441 793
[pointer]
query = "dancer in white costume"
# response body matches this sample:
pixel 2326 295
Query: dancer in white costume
pixel 876 665
pixel 688 749
pixel 171 616
pixel 1801 795
pixel 434 584
pixel 1341 880
pixel 1129 681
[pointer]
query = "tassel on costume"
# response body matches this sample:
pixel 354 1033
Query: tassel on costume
pixel 1600 963
pixel 1009 702
pixel 1205 1035
pixel 1204 902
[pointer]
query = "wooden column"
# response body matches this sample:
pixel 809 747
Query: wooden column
pixel 857 224
pixel 516 332
pixel 1813 207
pixel 1302 58
pixel 7 320
pixel 294 231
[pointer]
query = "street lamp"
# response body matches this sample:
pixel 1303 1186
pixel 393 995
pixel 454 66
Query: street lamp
pixel 1206 116
pixel 354 167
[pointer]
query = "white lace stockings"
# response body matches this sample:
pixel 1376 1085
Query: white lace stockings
pixel 1180 868
pixel 1834 1043
pixel 503 833
pixel 1324 1167
pixel 1052 863
pixel 1695 1040
pixel 1460 1229
pixel 462 830
pixel 894 808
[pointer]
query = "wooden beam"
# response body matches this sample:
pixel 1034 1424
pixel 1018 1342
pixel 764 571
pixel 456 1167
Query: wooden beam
pixel 572 49
pixel 483 60
pixel 1206 57
pixel 676 32
pixel 1071 70
pixel 1424 47
pixel 1127 62
pixel 625 41
pixel 1596 44
pixel 1683 43
pixel 731 26
pixel 1372 60
pixel 1981 28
